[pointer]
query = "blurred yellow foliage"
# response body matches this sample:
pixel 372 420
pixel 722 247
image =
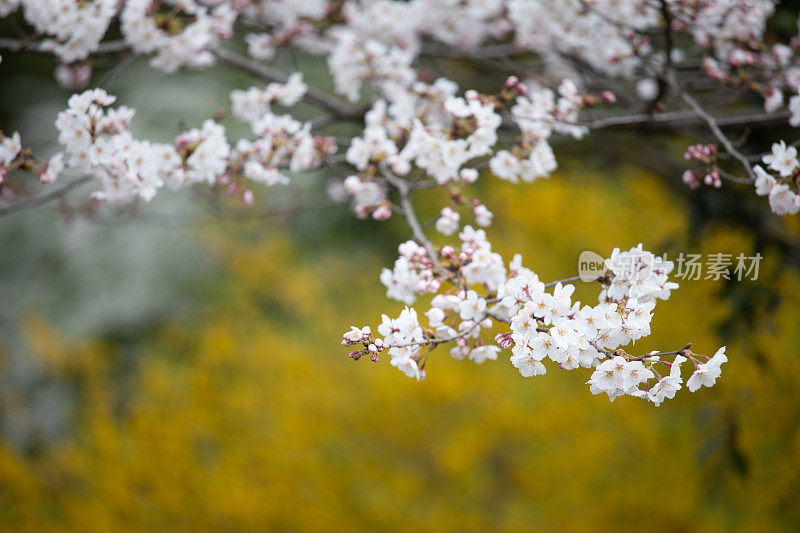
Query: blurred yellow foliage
pixel 253 419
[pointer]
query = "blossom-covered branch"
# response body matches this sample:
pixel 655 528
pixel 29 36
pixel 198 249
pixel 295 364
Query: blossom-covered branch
pixel 567 69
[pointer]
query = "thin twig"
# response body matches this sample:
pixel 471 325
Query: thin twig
pixel 713 125
pixel 407 210
pixel 40 199
pixel 435 341
pixel 22 45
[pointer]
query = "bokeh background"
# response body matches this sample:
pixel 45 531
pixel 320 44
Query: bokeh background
pixel 176 367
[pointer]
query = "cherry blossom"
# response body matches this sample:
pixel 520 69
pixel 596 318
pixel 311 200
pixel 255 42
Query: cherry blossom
pixel 396 124
pixel 706 374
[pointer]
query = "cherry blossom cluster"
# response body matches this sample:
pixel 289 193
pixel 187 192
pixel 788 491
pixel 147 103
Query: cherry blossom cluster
pixel 425 128
pixel 543 325
pixel 464 24
pixel 14 157
pixel 74 28
pixel 413 274
pixel 709 173
pixel 180 32
pixel 352 61
pixel 779 182
pixel 539 114
pixel 620 375
pixel 734 31
pixel 251 105
pixel 417 130
pixel 97 142
pixel 10 148
pixel 430 129
pixel 378 42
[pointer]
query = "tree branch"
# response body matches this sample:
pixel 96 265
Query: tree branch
pixel 43 198
pixel 27 45
pixel 407 210
pixel 339 108
pixel 712 124
pixel 681 118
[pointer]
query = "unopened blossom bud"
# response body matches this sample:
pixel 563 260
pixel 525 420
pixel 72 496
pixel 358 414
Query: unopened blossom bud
pixel 247 197
pixel 678 25
pixel 501 27
pixel 220 113
pixel 504 340
pixel 356 355
pixel 511 82
pixel 383 212
pixel 362 211
pixel 691 179
pixel 374 358
pixel 74 77
pixel 372 348
pixel 608 97
pixel 447 251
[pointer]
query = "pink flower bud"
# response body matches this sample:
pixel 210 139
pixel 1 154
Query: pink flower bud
pixel 383 212
pixel 504 340
pixel 362 211
pixel 247 197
